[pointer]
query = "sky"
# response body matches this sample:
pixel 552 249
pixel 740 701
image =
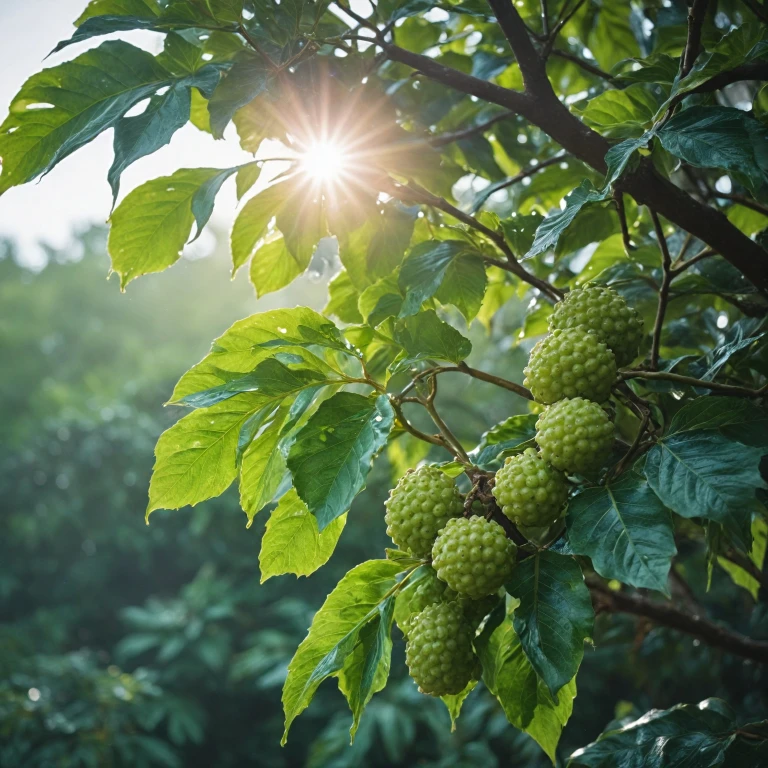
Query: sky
pixel 76 194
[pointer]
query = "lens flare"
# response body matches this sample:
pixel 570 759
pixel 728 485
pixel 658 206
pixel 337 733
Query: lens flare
pixel 324 161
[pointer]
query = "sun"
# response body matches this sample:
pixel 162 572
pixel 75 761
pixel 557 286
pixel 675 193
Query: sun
pixel 324 161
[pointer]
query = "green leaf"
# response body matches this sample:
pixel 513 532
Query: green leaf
pixel 274 266
pixel 292 543
pixel 524 698
pixel 61 109
pixel 694 735
pixel 248 77
pixel 426 337
pixel 617 157
pixel 555 224
pixel 376 249
pixel 721 137
pixel 424 269
pixel 247 176
pixel 505 436
pixel 520 230
pixel 739 575
pixel 713 412
pixel 453 703
pixel 332 454
pixel 270 378
pixel 335 632
pixel 195 458
pixel 625 530
pixel 367 669
pixel 96 26
pixel 704 474
pixel 464 285
pixel 152 224
pixel 249 341
pixel 342 299
pixel 621 114
pixel 554 617
pixel 380 300
pixel 118 8
pixel 611 38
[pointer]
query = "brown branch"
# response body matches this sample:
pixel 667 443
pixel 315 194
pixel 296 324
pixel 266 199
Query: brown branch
pixel 518 389
pixel 635 443
pixel 544 17
pixel 543 109
pixel 531 64
pixel 690 381
pixel 756 70
pixel 408 427
pixel 747 202
pixel 556 31
pixel 696 15
pixel 668 615
pixel 681 266
pixel 413 193
pixel 666 264
pixel 467 133
pixel 755 8
pixel 618 199
pixel 530 172
pixel 445 430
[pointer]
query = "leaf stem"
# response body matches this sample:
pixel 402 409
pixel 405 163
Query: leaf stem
pixel 726 389
pixel 663 290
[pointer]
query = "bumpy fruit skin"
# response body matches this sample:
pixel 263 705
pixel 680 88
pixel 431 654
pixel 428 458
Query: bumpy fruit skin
pixel 473 556
pixel 439 650
pixel 575 435
pixel 421 504
pixel 530 492
pixel 605 313
pixel 570 363
pixel 429 592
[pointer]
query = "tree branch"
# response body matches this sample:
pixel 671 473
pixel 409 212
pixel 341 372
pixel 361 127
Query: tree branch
pixel 468 133
pixel 747 565
pixel 518 389
pixel 408 427
pixel 544 110
pixel 755 8
pixel 756 70
pixel 666 265
pixel 668 615
pixel 696 15
pixel 583 64
pixel 690 381
pixel 415 194
pixel 747 202
pixel 531 64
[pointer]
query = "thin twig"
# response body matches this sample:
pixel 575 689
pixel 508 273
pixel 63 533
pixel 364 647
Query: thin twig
pixel 679 267
pixel 468 133
pixel 518 389
pixel 546 50
pixel 747 202
pixel 755 8
pixel 635 443
pixel 690 381
pixel 693 43
pixel 618 199
pixel 445 430
pixel 544 17
pixel 408 427
pixel 530 171
pixel 663 290
pixel 587 66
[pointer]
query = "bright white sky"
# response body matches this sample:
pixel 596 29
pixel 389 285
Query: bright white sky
pixel 76 194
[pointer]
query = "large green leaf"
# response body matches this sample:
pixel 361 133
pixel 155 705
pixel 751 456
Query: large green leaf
pixel 426 337
pixel 621 113
pixel 292 543
pixel 551 228
pixel 554 617
pixel 524 698
pixel 625 530
pixel 140 8
pixel 253 339
pixel 712 412
pixel 342 299
pixel 61 109
pixel 426 267
pixel 195 458
pixel 152 224
pixel 248 77
pixel 688 735
pixel 721 137
pixel 332 454
pixel 702 473
pixel 334 635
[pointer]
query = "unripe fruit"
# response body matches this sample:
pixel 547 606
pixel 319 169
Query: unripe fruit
pixel 605 313
pixel 570 363
pixel 429 591
pixel 529 491
pixel 473 556
pixel 421 504
pixel 476 610
pixel 575 435
pixel 439 650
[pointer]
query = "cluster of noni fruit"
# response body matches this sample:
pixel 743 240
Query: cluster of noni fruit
pixel 571 371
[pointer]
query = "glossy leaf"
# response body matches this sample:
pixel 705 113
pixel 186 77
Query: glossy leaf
pixel 625 530
pixel 554 617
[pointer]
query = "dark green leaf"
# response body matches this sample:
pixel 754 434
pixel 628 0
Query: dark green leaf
pixel 61 109
pixel 554 617
pixel 248 77
pixel 506 436
pixel 721 137
pixel 625 530
pixel 332 454
pixel 426 337
pixel 703 474
pixel 555 224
